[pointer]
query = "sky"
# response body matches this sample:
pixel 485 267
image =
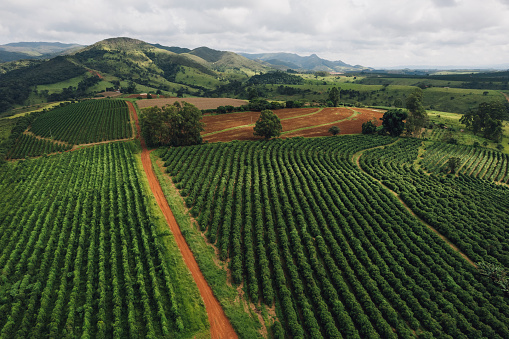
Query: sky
pixel 372 33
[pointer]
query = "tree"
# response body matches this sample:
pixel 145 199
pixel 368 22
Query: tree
pixel 453 164
pixel 392 122
pixel 334 130
pixel 369 127
pixel 268 125
pixel 334 96
pixel 486 120
pixel 175 125
pixel 417 118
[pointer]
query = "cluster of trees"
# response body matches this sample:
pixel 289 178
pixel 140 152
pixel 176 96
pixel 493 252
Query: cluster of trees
pixel 275 78
pixel 486 120
pixel 16 85
pixel 176 125
pixel 80 91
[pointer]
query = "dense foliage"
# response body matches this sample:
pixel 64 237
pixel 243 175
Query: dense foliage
pixel 175 125
pixel 486 120
pixel 470 212
pixel 79 253
pixel 305 230
pixel 268 125
pixel 16 85
pixel 393 122
pixel 85 122
pixel 275 78
pixel 477 162
pixel 30 146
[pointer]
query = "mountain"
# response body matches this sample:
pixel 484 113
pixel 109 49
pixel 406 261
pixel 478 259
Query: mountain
pixel 297 62
pixel 35 50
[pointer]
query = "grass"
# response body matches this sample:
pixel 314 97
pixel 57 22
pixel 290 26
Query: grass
pixel 191 306
pixel 466 137
pixel 245 324
pixel 6 126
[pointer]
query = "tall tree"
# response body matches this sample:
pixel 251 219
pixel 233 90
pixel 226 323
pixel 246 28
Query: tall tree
pixel 176 125
pixel 268 125
pixel 486 120
pixel 334 96
pixel 417 117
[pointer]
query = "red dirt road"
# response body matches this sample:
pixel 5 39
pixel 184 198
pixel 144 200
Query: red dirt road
pixel 220 326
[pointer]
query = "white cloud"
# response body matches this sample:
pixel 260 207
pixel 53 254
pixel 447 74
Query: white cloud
pixel 367 32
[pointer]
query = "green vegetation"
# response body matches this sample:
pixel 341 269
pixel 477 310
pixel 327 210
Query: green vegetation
pixel 392 122
pixel 268 125
pixel 30 146
pixel 82 255
pixel 304 229
pixel 470 212
pixel 85 122
pixel 175 125
pixel 245 324
pixel 475 161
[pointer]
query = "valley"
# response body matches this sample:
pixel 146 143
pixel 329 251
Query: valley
pixel 307 234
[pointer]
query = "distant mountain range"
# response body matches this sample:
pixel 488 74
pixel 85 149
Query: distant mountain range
pixel 282 61
pixel 35 50
pixel 307 63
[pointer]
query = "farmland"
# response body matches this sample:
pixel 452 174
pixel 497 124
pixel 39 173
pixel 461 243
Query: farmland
pixel 307 122
pixel 303 228
pixel 89 260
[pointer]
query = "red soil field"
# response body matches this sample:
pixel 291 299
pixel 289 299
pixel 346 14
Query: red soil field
pixel 291 119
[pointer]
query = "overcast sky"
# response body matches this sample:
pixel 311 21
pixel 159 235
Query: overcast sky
pixel 375 33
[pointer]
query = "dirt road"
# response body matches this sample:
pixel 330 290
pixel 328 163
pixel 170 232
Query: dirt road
pixel 220 326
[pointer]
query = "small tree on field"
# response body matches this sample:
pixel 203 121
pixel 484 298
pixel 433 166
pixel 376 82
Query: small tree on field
pixel 334 130
pixel 453 164
pixel 369 127
pixel 268 125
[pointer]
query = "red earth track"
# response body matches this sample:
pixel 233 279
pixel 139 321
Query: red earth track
pixel 220 326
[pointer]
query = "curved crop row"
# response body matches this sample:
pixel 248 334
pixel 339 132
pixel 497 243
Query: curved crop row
pixel 338 255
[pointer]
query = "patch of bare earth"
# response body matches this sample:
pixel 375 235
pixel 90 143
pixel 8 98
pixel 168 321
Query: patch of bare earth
pixel 201 103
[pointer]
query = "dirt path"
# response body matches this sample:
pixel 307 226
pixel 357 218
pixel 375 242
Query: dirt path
pixel 356 159
pixel 220 326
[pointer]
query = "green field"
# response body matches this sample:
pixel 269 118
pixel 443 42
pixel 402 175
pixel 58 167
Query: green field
pixel 307 231
pixel 91 258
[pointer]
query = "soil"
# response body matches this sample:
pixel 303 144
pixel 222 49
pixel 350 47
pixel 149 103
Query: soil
pixel 220 326
pixel 239 126
pixel 201 103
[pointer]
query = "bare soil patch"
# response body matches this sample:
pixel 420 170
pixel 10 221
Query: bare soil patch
pixel 239 126
pixel 201 103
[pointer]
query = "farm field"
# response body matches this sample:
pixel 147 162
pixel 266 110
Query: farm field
pixel 306 230
pixel 307 122
pixel 82 253
pixel 66 126
pixel 201 103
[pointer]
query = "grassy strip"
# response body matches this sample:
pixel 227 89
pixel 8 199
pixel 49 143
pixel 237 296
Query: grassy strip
pixel 355 113
pixel 190 303
pixel 245 324
pixel 252 125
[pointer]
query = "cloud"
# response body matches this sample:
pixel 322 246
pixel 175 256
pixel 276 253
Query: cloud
pixel 368 32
